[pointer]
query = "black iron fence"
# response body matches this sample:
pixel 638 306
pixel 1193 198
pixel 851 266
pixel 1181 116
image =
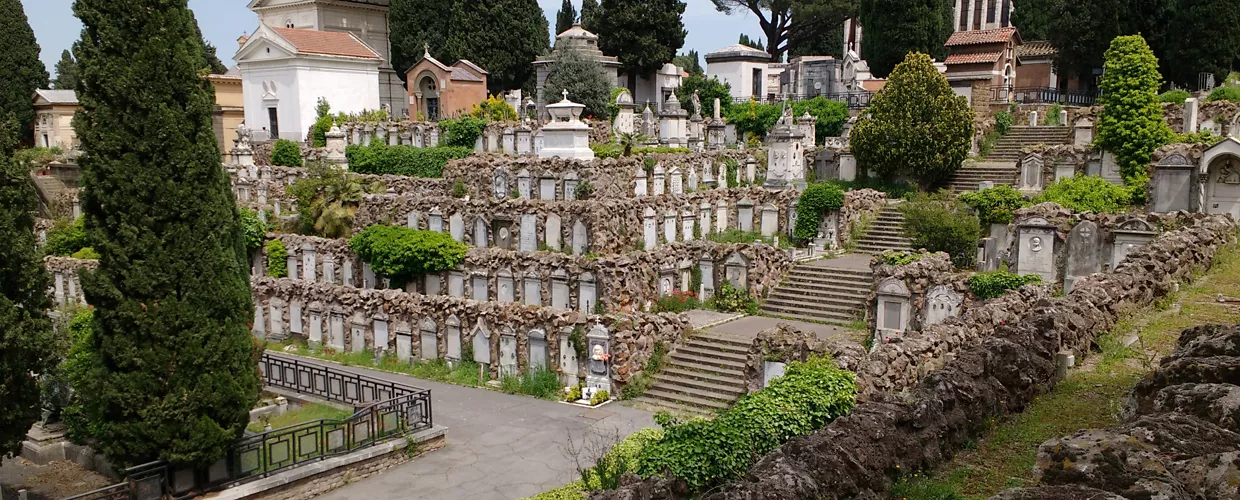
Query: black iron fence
pixel 854 100
pixel 384 410
pixel 1042 95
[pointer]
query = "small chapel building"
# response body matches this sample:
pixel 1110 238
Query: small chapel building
pixel 437 90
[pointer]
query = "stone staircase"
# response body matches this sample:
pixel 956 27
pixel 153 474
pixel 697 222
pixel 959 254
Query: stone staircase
pixel 49 188
pixel 1007 150
pixel 814 292
pixel 701 377
pixel 968 178
pixel 885 233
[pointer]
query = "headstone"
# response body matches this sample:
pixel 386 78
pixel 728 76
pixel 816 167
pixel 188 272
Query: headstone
pixel 404 344
pixel 570 185
pixel 507 353
pixel 480 233
pixel 501 229
pixel 531 288
pixel 381 334
pixel 538 350
pixel 260 325
pixel 598 351
pixel 523 184
pixel 308 261
pixel 1064 170
pixel 660 186
pixel 1036 251
pixel 524 141
pixel 693 179
pixel 744 215
pixel 368 276
pixel 581 238
pixel 456 284
pixel 481 341
pixel 294 318
pixel 676 180
pixel 436 220
pixel 499 183
pixel 1031 172
pixel 480 284
pixel 649 230
pixel 568 358
pixel 510 141
pixel 737 271
pixel 546 187
pixel 686 223
pixel 559 289
pixel 667 282
pixel 432 284
pixel 707 265
pixel 1084 253
pixel 316 325
pixel 1173 184
pixel 942 302
pixel 669 226
pixel 493 141
pixel 553 231
pixel 505 287
pixel 357 337
pixel 529 233
pixel 1129 236
pixel 453 334
pixel 770 220
pixel 892 311
pixel 276 308
pixel 413 219
pixel 429 339
pixel 456 225
pixel 1190 115
pixel 639 183
pixel 772 370
pixel 721 216
pixel 60 293
pixel 1033 118
pixel 704 218
pixel 1110 169
pixel 336 330
pixel 587 297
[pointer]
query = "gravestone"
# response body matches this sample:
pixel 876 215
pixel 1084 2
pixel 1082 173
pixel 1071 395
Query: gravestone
pixel 368 276
pixel 1110 169
pixel 510 141
pixel 772 370
pixel 581 238
pixel 649 230
pixel 381 333
pixel 667 282
pixel 292 264
pixel 481 341
pixel 559 289
pixel 942 302
pixel 570 185
pixel 428 344
pixel 1190 115
pixel 770 220
pixel 456 284
pixel 1084 253
pixel 531 289
pixel 892 310
pixel 501 227
pixel 507 352
pixel 704 218
pixel 308 262
pixel 60 291
pixel 1093 167
pixel 453 334
pixel 1035 252
pixel 721 216
pixel 676 180
pixel 259 329
pixel 456 225
pixel 693 179
pixel 538 350
pixel 669 226
pixel 587 295
pixel 294 318
pixel 1064 170
pixel 524 141
pixel 505 286
pixel 529 233
pixel 568 358
pixel 404 345
pixel 316 324
pixel 276 310
pixel 744 215
pixel 480 233
pixel 413 219
pixel 1031 172
pixel 1173 184
pixel 480 291
pixel 435 223
pixel 546 187
pixel 686 223
pixel 553 231
pixel 707 265
pixel 736 269
pixel 660 186
pixel 499 183
pixel 493 141
pixel 598 364
pixel 357 337
pixel 329 269
pixel 639 182
pixel 336 330
pixel 432 284
pixel 1129 236
pixel 523 184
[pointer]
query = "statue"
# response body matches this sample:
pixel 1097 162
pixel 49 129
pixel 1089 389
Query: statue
pixel 697 104
pixel 243 137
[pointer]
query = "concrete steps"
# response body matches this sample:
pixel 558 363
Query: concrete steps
pixel 885 233
pixel 1009 146
pixel 49 188
pixel 821 294
pixel 701 377
pixel 968 178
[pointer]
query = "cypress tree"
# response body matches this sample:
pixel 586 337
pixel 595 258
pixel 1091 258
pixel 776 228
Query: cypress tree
pixel 25 331
pixel 589 14
pixel 643 34
pixel 66 72
pixel 176 374
pixel 565 18
pixel 21 72
pixel 894 28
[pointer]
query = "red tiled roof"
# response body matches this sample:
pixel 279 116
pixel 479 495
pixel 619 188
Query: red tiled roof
pixel 1037 48
pixel 326 43
pixel 1001 35
pixel 978 58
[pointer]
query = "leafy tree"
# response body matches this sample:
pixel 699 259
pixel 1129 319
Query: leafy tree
pixel 66 72
pixel 25 330
pixel 828 43
pixel 410 33
pixel 940 223
pixel 750 42
pixel 1034 18
pixel 402 254
pixel 916 124
pixel 583 78
pixel 787 23
pixel 1131 123
pixel 708 90
pixel 210 60
pixel 589 14
pixel 643 34
pixel 1081 32
pixel 1207 39
pixel 175 375
pixel 690 62
pixel 893 28
pixel 20 65
pixel 757 119
pixel 566 17
pixel 287 153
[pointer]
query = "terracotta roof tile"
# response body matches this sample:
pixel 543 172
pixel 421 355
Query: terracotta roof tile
pixel 464 75
pixel 1038 48
pixel 977 37
pixel 978 58
pixel 326 43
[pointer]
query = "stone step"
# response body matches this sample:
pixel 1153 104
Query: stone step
pixel 686 400
pixel 827 299
pixel 708 352
pixel 835 284
pixel 827 272
pixel 813 303
pixel 831 316
pixel 802 317
pixel 715 338
pixel 873 250
pixel 666 386
pixel 713 365
pixel 888 238
pixel 733 387
pixel 676 408
pixel 846 313
pixel 716 346
pixel 710 378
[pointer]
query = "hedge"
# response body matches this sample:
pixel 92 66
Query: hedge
pixel 401 254
pixel 403 160
pixel 1087 194
pixel 995 205
pixel 817 199
pixel 277 259
pixel 994 284
pixel 286 154
pixel 252 228
pixel 941 225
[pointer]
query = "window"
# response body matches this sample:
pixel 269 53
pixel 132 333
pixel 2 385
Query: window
pixel 46 143
pixel 288 23
pixel 273 120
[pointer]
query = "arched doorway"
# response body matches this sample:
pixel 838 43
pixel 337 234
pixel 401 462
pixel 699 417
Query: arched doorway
pixel 430 96
pixel 1223 186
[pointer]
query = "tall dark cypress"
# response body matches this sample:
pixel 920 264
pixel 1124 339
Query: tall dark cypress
pixel 176 373
pixel 21 72
pixel 566 17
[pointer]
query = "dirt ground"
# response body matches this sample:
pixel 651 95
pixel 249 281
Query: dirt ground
pixel 56 480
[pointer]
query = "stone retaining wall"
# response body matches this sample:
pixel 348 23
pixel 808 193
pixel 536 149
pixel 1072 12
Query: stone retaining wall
pixel 931 274
pixel 66 287
pixel 860 206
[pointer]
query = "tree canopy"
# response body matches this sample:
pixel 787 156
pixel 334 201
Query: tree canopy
pixel 589 12
pixel 20 65
pixel 66 72
pixel 565 18
pixel 894 28
pixel 173 375
pixel 643 34
pixel 690 62
pixel 1131 124
pixel 751 42
pixel 583 78
pixel 789 23
pixel 916 125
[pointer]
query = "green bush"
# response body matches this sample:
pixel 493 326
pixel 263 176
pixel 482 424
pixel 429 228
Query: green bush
pixel 731 299
pixel 706 453
pixel 541 383
pixel 621 459
pixel 1231 94
pixel 87 253
pixel 1174 96
pixel 816 200
pixel 1202 138
pixel 639 383
pixel 277 259
pixel 252 229
pixel 1052 115
pixel 938 223
pixel 81 369
pixel 994 284
pixel 1003 122
pixel 613 109
pixel 995 205
pixel 36 158
pixel 677 302
pixel 461 132
pixel 571 491
pixel 286 154
pixel 403 160
pixel 66 237
pixel 1087 194
pixel 402 254
pixel 893 258
pixel 318 135
pixel 495 109
pixel 599 398
pixel 1131 124
pixel 757 119
pixel 584 190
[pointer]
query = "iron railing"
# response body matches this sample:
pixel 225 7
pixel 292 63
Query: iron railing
pixel 855 100
pixel 1042 95
pixel 384 410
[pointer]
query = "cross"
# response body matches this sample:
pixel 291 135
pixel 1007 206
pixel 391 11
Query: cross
pixel 426 47
pixel 565 94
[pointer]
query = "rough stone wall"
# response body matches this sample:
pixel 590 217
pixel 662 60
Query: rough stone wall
pixel 276 180
pixel 1057 154
pixel 783 343
pixel 855 455
pixel 1221 113
pixel 860 205
pixel 927 272
pixel 66 269
pixel 62 206
pixel 310 487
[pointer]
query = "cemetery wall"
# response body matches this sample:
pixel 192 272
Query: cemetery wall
pixel 860 207
pixel 66 287
pixel 946 408
pixel 265 186
pixel 930 288
pixel 609 225
pixel 428 327
pixel 1219 117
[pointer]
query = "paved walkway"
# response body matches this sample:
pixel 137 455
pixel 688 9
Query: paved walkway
pixel 499 446
pixel 854 261
pixel 749 327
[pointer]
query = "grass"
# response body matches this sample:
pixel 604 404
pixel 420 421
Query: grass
pixel 541 383
pixel 307 412
pixel 463 372
pixel 1090 397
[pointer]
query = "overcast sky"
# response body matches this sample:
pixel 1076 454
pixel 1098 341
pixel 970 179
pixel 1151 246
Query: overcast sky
pixel 222 21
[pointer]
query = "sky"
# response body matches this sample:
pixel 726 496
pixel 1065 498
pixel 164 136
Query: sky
pixel 222 21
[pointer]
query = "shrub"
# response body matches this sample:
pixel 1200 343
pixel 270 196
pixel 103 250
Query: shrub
pixel 757 119
pixel 87 253
pixel 817 199
pixel 327 199
pixel 1174 96
pixel 318 133
pixel 286 154
pixel 708 89
pixel 731 299
pixel 402 254
pixel 277 259
pixel 461 132
pixel 893 258
pixel 584 78
pixel 495 109
pixel 253 230
pixel 939 224
pixel 36 158
pixel 621 459
pixel 571 491
pixel 1003 122
pixel 677 302
pixel 458 189
pixel 599 398
pixel 1131 124
pixel 994 284
pixel 1231 94
pixel 705 453
pixel 403 160
pixel 995 205
pixel 1052 115
pixel 1087 194
pixel 574 393
pixel 1202 138
pixel 613 109
pixel 66 237
pixel 81 369
pixel 584 190
pixel 642 381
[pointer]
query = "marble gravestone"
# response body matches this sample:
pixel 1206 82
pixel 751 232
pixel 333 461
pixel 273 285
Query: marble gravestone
pixel 523 184
pixel 1031 173
pixel 531 289
pixel 505 287
pixel 587 294
pixel 499 184
pixel 1084 253
pixel 649 230
pixel 481 291
pixel 892 311
pixel 357 337
pixel 1129 236
pixel 553 231
pixel 941 303
pixel 1173 184
pixel 456 225
pixel 736 270
pixel 336 330
pixel 404 344
pixel 529 233
pixel 568 358
pixel 537 359
pixel 1036 251
pixel 507 352
pixel 598 362
pixel 546 187
pixel 480 233
pixel 481 342
pixel 429 339
pixel 453 334
pixel 559 289
pixel 744 215
pixel 502 229
pixel 581 238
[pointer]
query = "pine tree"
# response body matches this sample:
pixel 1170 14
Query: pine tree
pixel 1131 124
pixel 644 34
pixel 751 42
pixel 691 62
pixel 589 14
pixel 21 72
pixel 25 331
pixel 566 17
pixel 894 28
pixel 176 375
pixel 66 72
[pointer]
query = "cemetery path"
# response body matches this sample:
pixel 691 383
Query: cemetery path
pixel 499 446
